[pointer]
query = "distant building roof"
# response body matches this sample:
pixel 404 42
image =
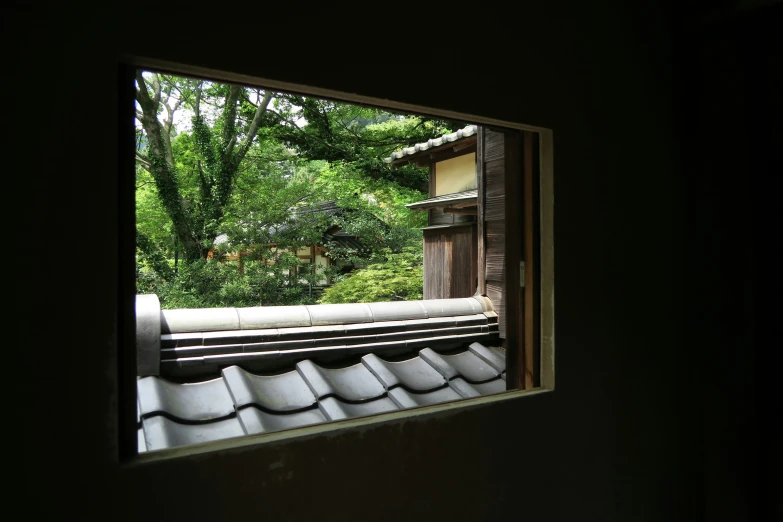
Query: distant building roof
pixel 433 143
pixel 464 198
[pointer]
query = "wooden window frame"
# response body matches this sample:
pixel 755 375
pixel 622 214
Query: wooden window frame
pixel 525 350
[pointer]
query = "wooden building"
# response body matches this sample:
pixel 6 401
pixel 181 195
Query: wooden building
pixel 465 240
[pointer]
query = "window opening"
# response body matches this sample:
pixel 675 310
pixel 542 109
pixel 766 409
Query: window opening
pixel 302 260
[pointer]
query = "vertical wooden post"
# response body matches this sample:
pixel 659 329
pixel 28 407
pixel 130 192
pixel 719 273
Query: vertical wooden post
pixel 514 240
pixel 529 233
pixel 481 264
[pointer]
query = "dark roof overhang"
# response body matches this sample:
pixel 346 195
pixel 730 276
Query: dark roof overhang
pixel 465 199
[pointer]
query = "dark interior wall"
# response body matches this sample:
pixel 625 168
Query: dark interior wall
pixel 729 136
pixel 615 441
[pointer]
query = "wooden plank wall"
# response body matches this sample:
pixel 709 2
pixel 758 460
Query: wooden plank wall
pixel 450 264
pixel 463 262
pixel 492 171
pixel 438 217
pixel 437 273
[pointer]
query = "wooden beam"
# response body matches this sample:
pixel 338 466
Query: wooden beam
pixel 513 293
pixel 432 181
pixel 529 256
pixel 480 243
pixel 462 211
pixel 463 145
pixel 448 154
pixel 433 173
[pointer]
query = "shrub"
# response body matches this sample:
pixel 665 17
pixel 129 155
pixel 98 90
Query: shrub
pixel 400 277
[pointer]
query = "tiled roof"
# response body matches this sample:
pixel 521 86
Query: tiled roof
pixel 445 200
pixel 186 343
pixel 466 132
pixel 242 403
pixel 215 373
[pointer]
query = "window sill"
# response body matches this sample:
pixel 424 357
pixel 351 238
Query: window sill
pixel 250 442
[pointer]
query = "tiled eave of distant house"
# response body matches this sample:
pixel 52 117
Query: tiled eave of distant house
pixel 210 374
pixel 463 199
pixel 437 149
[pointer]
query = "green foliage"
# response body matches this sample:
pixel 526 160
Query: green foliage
pixel 254 177
pixel 203 283
pixel 357 136
pixel 376 212
pixel 399 277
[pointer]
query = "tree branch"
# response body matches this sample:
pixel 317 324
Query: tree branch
pixel 162 170
pixel 167 128
pixel 142 94
pixel 230 147
pixel 143 160
pixel 307 134
pixel 253 130
pixel 157 86
pixel 230 121
pixel 197 104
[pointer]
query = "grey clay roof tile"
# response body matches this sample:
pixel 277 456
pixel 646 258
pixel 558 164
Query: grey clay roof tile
pixel 332 314
pixel 397 311
pixel 241 336
pixel 491 387
pixel 439 363
pixel 255 421
pixel 405 399
pixel 471 367
pixel 452 307
pixel 492 358
pixel 181 340
pixel 414 374
pixel 464 389
pixel 452 137
pixel 311 394
pixel 284 392
pixel 352 383
pixel 336 409
pixel 162 433
pixel 189 402
pixel 261 317
pixel 185 320
pixel 141 444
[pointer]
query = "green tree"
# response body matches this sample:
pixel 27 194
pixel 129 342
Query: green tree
pixel 356 136
pixel 218 150
pixel 250 168
pixel 398 277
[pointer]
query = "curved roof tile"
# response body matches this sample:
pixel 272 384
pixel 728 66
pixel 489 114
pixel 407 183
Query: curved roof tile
pixel 465 132
pixel 266 403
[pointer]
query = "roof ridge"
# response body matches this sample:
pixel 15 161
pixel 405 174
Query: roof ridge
pixel 451 137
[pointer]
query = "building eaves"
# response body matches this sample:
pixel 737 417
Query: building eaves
pixel 446 200
pixel 446 139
